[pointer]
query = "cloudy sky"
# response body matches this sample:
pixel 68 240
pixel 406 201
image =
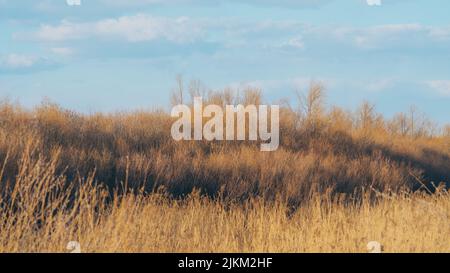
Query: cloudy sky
pixel 106 55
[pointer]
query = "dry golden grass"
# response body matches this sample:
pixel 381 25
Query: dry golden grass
pixel 118 183
pixel 43 215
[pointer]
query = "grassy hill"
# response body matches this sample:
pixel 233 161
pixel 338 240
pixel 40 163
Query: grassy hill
pixel 118 182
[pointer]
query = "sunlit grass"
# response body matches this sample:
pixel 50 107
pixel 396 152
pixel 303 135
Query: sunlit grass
pixel 119 183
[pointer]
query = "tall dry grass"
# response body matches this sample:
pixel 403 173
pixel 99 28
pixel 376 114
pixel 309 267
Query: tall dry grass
pixel 118 182
pixel 42 214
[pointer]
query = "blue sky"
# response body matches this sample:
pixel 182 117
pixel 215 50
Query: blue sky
pixel 107 55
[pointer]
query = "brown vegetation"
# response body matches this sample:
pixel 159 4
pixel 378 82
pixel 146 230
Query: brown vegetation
pixel 118 182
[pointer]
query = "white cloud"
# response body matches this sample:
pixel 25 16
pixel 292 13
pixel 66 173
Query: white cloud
pixel 17 61
pixel 380 84
pixel 135 28
pixel 440 33
pixel 62 51
pixel 441 86
pixel 381 35
pixel 287 3
pixel 146 28
pixel 65 31
pixel 295 34
pixel 296 42
pixel 392 35
pixel 288 84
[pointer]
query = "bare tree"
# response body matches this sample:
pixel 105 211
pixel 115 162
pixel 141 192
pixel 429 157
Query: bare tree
pixel 311 105
pixel 400 125
pixel 412 119
pixel 447 131
pixel 419 124
pixel 197 89
pixel 177 92
pixel 366 115
pixel 340 119
pixel 252 95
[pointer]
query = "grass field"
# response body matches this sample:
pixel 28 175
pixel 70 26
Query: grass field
pixel 119 183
